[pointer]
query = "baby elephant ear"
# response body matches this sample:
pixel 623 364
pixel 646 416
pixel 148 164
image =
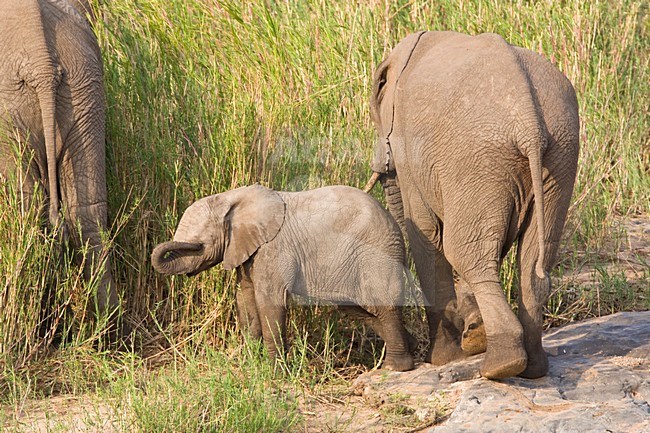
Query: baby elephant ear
pixel 254 218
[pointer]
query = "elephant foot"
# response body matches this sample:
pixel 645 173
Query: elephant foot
pixel 474 339
pixel 445 339
pixel 537 367
pixel 276 353
pixel 413 343
pixel 399 363
pixel 441 354
pixel 252 331
pixel 500 363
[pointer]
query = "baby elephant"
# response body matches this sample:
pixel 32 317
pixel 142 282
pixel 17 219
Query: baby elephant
pixel 334 244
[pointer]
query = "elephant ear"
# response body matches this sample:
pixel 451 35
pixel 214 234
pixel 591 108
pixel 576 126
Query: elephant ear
pixel 382 99
pixel 254 218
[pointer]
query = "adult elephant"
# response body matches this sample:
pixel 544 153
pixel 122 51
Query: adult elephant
pixel 477 148
pixel 52 99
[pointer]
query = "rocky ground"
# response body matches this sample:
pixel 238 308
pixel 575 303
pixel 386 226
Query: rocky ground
pixel 599 381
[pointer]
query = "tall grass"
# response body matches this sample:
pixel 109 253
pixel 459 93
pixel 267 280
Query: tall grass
pixel 207 95
pixel 43 288
pixel 27 269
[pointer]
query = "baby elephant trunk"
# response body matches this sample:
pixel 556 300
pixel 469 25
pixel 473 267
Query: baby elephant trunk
pixel 174 258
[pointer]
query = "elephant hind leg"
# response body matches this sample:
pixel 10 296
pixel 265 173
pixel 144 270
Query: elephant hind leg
pixel 388 324
pixel 88 236
pixel 534 291
pixel 437 282
pixel 532 297
pixel 479 267
pixel 390 327
pixel 505 354
pixel 474 340
pixel 83 195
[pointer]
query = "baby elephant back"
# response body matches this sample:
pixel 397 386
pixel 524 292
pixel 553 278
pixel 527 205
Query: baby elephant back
pixel 349 221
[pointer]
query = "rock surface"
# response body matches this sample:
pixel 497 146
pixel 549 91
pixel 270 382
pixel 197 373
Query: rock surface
pixel 599 381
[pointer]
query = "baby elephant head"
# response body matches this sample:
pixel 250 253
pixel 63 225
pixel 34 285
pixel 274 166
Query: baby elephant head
pixel 227 227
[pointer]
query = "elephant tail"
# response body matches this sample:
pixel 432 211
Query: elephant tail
pixel 47 102
pixel 535 162
pixel 44 75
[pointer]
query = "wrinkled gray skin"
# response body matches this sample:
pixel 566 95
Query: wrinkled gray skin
pixel 333 244
pixel 477 148
pixel 52 97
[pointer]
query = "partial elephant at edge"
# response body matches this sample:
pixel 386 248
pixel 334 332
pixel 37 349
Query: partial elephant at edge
pixel 51 92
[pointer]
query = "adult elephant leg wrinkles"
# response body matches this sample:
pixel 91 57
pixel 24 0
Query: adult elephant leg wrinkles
pixel 534 291
pixel 505 355
pixel 532 296
pixel 437 282
pixel 476 256
pixel 84 198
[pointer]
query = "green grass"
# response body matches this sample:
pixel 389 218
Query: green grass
pixel 207 95
pixel 230 391
pixel 205 394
